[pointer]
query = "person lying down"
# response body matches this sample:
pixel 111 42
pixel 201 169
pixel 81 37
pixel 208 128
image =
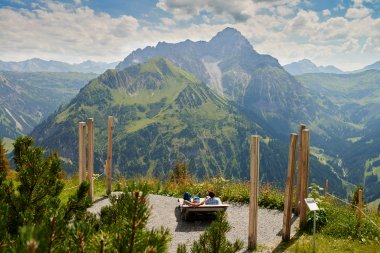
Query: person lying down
pixel 196 201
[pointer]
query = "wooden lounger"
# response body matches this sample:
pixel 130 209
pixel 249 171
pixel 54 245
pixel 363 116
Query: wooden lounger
pixel 187 210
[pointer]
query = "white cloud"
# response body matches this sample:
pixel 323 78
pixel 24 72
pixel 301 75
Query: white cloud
pixel 339 7
pixel 284 10
pixel 57 31
pixel 221 10
pixel 357 13
pixel 326 13
pixel 280 28
pixel 77 2
pixel 371 45
pixel 167 21
pixel 358 3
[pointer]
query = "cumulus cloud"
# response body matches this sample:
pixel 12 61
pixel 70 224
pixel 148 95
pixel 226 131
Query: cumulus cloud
pixel 357 13
pixel 56 31
pixel 222 9
pixel 282 29
pixel 326 13
pixel 167 21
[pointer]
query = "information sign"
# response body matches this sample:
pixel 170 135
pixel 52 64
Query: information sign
pixel 311 204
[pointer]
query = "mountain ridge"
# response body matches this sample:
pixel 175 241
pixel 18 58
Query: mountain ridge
pixel 28 98
pixel 306 66
pixel 39 65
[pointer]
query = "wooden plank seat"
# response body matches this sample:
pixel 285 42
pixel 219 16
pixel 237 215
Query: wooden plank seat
pixel 188 210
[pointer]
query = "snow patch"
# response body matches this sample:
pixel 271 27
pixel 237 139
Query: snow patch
pixel 18 125
pixel 26 123
pixel 215 74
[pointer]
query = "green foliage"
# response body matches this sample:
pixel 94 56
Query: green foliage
pixel 32 218
pixel 40 181
pixel 180 173
pixel 125 223
pixel 321 215
pixel 4 162
pixel 340 221
pixel 214 239
pixel 271 198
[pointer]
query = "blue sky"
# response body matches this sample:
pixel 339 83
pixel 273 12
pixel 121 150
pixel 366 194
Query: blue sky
pixel 344 33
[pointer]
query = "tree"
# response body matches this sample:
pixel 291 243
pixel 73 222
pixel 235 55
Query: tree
pixel 4 162
pixel 40 180
pixel 125 223
pixel 32 215
pixel 180 173
pixel 214 239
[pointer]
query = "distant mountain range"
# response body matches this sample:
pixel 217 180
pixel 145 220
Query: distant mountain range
pixel 28 98
pixel 375 66
pixel 306 66
pixel 197 102
pixel 39 65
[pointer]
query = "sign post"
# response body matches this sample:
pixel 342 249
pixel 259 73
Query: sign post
pixel 312 207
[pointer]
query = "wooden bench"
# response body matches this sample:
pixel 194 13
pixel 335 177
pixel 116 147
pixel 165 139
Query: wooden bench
pixel 187 210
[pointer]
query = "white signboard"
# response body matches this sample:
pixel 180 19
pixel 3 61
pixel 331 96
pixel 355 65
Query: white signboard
pixel 311 204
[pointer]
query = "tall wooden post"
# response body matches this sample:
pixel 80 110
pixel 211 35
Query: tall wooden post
pixel 305 174
pixel 254 191
pixel 299 173
pixel 289 187
pixel 109 156
pixel 81 152
pixel 90 125
pixel 326 188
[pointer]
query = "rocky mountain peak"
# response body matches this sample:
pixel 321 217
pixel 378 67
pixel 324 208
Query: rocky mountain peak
pixel 230 41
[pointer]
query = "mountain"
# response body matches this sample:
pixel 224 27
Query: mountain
pixel 164 115
pixel 357 96
pixel 306 66
pixel 375 66
pixel 27 98
pixel 38 65
pixel 229 65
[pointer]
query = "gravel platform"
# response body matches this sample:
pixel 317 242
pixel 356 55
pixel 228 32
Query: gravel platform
pixel 165 213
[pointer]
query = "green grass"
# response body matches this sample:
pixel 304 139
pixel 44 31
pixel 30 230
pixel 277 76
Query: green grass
pixel 71 184
pixel 327 244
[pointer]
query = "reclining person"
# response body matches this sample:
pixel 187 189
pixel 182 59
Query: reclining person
pixel 208 201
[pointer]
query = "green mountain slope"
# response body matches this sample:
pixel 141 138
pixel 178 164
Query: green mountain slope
pixel 27 98
pixel 163 115
pixel 357 96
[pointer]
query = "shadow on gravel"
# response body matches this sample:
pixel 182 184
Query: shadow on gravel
pixel 294 218
pixel 195 222
pixel 285 245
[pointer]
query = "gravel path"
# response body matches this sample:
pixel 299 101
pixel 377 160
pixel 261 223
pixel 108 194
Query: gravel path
pixel 164 213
